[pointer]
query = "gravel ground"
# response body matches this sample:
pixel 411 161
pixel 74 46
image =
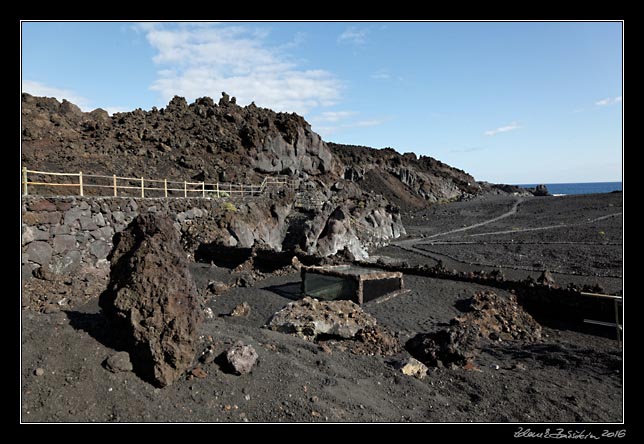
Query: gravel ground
pixel 567 377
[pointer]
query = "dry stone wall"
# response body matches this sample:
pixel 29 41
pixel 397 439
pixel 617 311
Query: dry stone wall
pixel 74 235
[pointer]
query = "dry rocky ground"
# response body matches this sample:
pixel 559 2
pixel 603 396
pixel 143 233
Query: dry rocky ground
pixel 71 370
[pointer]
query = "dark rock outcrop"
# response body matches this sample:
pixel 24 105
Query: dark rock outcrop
pixel 404 179
pixel 203 139
pixel 444 347
pixel 338 198
pixel 540 190
pixel 488 316
pixel 200 140
pixel 151 299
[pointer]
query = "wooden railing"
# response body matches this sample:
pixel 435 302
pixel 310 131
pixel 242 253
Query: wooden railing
pixel 143 187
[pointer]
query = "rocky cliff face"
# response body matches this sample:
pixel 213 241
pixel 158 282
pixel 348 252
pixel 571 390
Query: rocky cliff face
pixel 203 139
pixel 404 179
pixel 200 141
pixel 342 200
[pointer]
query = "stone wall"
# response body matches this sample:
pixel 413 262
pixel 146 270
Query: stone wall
pixel 66 241
pixel 73 235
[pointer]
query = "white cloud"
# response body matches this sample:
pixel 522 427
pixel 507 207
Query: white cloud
pixel 198 60
pixel 333 116
pixel 364 123
pixel 111 110
pixel 609 101
pixel 353 36
pixel 470 149
pixel 502 129
pixel 40 89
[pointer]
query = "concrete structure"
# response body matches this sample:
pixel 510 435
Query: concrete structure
pixel 357 284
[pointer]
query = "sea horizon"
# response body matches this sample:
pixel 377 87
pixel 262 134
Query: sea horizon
pixel 578 187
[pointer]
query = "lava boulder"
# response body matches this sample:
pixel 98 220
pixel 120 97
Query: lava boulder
pixel 151 299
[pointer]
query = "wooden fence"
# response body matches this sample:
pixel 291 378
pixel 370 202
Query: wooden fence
pixel 143 187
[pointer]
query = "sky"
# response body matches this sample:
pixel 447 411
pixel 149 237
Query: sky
pixel 508 102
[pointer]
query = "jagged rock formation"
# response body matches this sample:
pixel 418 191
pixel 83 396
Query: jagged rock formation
pixel 488 316
pixel 404 179
pixel 203 139
pixel 340 199
pixel 152 299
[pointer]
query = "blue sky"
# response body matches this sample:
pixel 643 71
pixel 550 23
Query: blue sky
pixel 508 102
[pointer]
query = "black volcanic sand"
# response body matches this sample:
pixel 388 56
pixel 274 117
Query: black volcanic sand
pixel 566 377
pixel 577 238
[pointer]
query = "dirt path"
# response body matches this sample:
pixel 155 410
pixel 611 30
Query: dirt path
pixel 549 227
pixel 582 251
pixel 510 212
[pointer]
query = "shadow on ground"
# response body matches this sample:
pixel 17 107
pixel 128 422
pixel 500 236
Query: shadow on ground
pixel 97 326
pixel 290 290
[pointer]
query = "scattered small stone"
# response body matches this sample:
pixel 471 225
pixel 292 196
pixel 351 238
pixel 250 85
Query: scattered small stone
pixel 519 366
pixel 198 372
pixel 325 348
pixel 496 367
pixel 411 367
pixel 295 262
pixel 50 308
pixel 208 313
pixel 241 358
pixel 208 352
pixel 119 362
pixel 39 371
pixel 470 366
pixel 217 287
pixel 241 310
pixel 546 279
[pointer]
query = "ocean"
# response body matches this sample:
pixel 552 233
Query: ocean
pixel 579 188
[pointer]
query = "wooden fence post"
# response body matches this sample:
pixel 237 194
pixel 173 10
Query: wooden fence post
pixel 217 189
pixel 24 181
pixel 165 187
pixel 116 193
pixel 185 189
pixel 203 189
pixel 80 182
